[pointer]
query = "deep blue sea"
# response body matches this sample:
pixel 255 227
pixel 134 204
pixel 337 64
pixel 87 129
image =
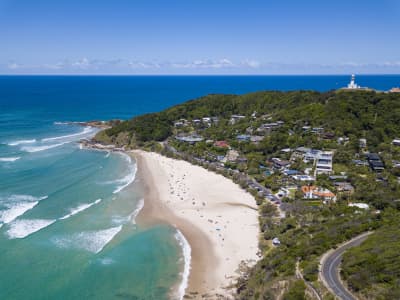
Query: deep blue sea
pixel 67 228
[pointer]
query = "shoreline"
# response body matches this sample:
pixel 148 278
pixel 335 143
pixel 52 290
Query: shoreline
pixel 220 222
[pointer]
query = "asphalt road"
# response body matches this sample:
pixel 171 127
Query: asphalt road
pixel 330 266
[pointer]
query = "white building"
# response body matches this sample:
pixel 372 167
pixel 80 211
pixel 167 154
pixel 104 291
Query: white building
pixel 324 163
pixel 352 85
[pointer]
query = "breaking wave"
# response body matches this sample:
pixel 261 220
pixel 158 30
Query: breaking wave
pixel 9 159
pixel 22 228
pixel 79 209
pixel 41 148
pixel 92 241
pixel 85 131
pixel 129 178
pixel 17 143
pixel 17 205
pixel 187 256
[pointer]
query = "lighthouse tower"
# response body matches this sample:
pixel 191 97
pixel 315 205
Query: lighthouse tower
pixel 352 85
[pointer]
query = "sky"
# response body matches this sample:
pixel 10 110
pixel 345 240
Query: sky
pixel 199 37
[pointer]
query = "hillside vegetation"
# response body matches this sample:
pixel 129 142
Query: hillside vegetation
pixel 375 116
pixel 309 228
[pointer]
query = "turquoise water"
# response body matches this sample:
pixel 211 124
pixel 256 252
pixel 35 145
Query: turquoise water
pixel 67 214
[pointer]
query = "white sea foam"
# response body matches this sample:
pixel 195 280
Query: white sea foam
pixel 61 123
pixel 17 205
pixel 136 212
pixel 107 261
pixel 187 256
pixel 79 209
pixel 93 241
pixel 22 228
pixel 41 148
pixel 17 143
pixel 85 131
pixel 1 225
pixel 108 154
pixel 127 180
pixel 9 159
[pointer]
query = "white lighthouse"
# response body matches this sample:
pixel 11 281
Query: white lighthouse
pixel 352 85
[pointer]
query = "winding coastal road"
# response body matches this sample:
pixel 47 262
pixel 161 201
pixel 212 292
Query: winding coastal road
pixel 330 263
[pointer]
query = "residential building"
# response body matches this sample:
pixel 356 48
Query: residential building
pixel 235 118
pixel 221 144
pixel 313 192
pixel 243 137
pixel 396 142
pixel 324 163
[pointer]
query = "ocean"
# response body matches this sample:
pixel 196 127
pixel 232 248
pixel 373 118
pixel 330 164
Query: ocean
pixel 67 214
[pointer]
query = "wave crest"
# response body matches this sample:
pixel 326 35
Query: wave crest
pixel 79 209
pixel 33 149
pixel 22 228
pixel 92 241
pixel 85 131
pixel 9 159
pixel 17 143
pixel 17 205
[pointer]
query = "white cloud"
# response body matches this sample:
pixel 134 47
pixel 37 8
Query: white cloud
pixel 201 66
pixel 251 63
pixel 13 66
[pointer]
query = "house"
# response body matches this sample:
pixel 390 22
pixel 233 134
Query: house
pixel 178 124
pixel 395 90
pixel 317 130
pixel 196 122
pixel 328 136
pixel 221 144
pixel 360 163
pixel 338 177
pixel 243 137
pixel 375 162
pixel 359 205
pixel 344 188
pixel 314 192
pixel 232 155
pixel 291 172
pixel 280 164
pixel 206 120
pixel 324 163
pixel 235 118
pixel 396 142
pixel 191 139
pixel 343 140
pixel 256 138
pixel 303 178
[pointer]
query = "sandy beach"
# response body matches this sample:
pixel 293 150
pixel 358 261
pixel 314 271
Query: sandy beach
pixel 216 216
